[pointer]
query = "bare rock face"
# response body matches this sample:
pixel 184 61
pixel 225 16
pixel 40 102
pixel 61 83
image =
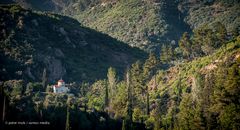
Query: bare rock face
pixel 53 62
pixel 55 68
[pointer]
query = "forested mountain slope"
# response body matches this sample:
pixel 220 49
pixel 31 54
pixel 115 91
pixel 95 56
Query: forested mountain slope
pixel 201 94
pixel 142 24
pixel 145 24
pixel 199 13
pixel 194 84
pixel 34 41
pixel 198 94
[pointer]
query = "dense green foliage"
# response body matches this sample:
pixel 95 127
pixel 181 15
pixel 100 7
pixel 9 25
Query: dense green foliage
pixel 197 94
pixel 145 24
pixel 192 85
pixel 204 12
pixel 191 95
pixel 200 94
pixel 142 24
pixel 63 111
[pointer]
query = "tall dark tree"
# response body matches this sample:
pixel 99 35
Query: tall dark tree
pixel 137 76
pixel 112 81
pixel 106 100
pixel 129 108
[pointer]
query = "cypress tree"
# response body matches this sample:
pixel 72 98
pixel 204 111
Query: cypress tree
pixel 148 71
pixel 106 102
pixel 129 101
pixel 111 85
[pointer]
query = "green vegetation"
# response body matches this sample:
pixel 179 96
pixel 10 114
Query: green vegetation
pixel 145 24
pixel 111 19
pixel 198 94
pixel 192 88
pixel 142 24
pixel 199 14
pixel 192 85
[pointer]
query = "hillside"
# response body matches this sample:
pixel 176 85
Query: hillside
pixel 199 13
pixel 56 6
pixel 203 91
pixel 191 84
pixel 145 24
pixel 198 94
pixel 31 41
